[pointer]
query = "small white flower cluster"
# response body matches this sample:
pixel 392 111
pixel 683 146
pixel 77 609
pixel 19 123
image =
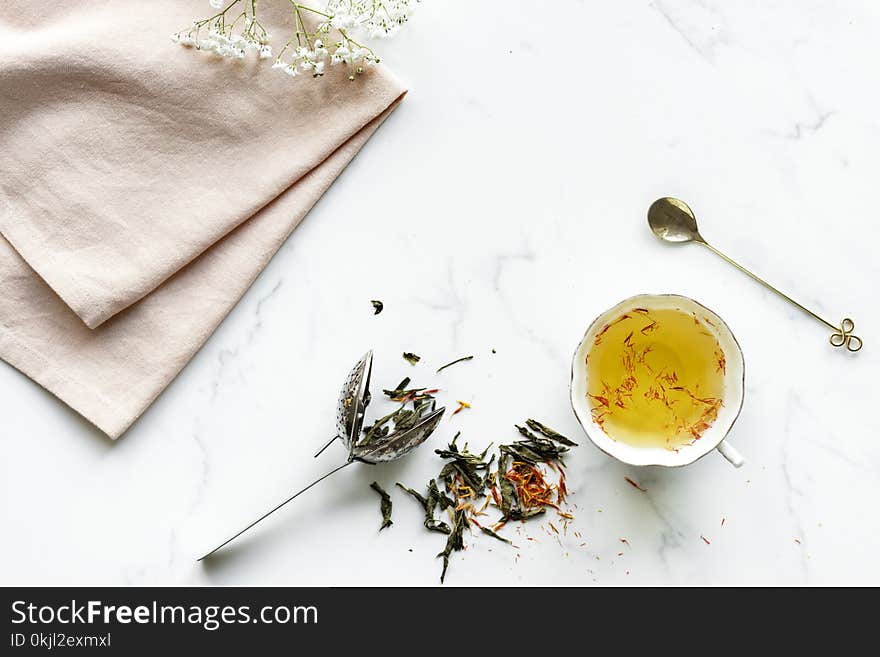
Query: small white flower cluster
pixel 376 19
pixel 233 33
pixel 315 59
pixel 235 46
pixel 222 38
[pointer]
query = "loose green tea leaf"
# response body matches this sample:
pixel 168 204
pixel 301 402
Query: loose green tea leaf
pixel 402 418
pixel 457 360
pixel 407 419
pixel 522 451
pixel 445 502
pixel 524 491
pixel 411 358
pixel 489 480
pixel 465 465
pixel 519 485
pixel 378 306
pixel 534 450
pixel 429 504
pixel 384 505
pixel 518 514
pixel 455 541
pixel 408 394
pixel 508 490
pixel 433 497
pixel 488 531
pixel 415 494
pixel 550 433
pixel 437 526
pixel 401 387
pixel 526 433
pixel 379 428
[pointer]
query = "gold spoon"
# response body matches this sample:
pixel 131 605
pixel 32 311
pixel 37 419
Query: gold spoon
pixel 673 221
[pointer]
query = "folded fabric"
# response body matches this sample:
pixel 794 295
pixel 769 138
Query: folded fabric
pixel 143 187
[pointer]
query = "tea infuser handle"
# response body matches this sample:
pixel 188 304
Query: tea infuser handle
pixel 329 442
pixel 843 336
pixel 266 515
pixel 730 452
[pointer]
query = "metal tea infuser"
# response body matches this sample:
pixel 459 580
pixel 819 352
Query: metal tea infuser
pixel 350 411
pixel 673 221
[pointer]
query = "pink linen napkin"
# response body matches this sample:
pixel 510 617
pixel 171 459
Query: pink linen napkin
pixel 144 186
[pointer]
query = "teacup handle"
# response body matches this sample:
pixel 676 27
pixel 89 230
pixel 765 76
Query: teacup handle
pixel 730 452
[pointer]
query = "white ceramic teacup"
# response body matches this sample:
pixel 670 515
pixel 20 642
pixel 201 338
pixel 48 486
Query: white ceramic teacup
pixel 713 437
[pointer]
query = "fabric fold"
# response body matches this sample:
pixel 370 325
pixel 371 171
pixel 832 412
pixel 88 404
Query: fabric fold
pixel 144 187
pixel 126 156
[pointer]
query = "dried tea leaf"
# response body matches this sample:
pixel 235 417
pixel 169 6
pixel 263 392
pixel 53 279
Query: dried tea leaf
pixel 489 463
pixel 434 498
pixel 535 450
pixel 457 360
pixel 488 531
pixel 509 495
pixel 415 494
pixel 489 481
pixel 401 387
pixel 403 394
pixel 404 418
pixel 525 433
pixel 384 505
pixel 550 433
pixel 464 465
pixel 408 418
pixel 378 306
pixel 398 444
pixel 437 526
pixel 429 504
pixel 446 502
pixel 455 541
pixel 411 358
pixel 458 469
pixel 519 514
pixel 520 451
pixel 378 429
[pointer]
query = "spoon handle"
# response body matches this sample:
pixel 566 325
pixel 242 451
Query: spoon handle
pixel 842 335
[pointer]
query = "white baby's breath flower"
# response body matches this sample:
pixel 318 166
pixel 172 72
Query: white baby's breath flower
pixel 341 54
pixel 375 18
pixel 235 30
pixel 341 21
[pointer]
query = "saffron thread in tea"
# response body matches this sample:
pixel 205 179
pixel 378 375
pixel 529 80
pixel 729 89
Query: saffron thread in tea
pixel 656 377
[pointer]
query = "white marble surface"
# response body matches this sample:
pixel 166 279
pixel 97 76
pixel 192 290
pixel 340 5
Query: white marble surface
pixel 503 206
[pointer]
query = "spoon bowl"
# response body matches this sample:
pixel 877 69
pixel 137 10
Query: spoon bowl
pixel 673 221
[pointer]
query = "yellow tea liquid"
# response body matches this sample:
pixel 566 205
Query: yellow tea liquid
pixel 655 378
